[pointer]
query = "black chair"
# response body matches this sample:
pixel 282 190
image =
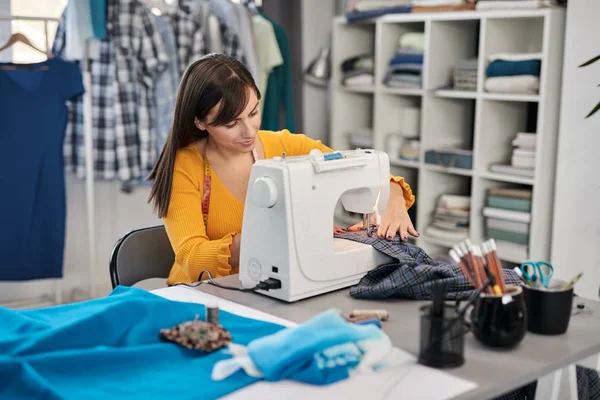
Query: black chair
pixel 141 254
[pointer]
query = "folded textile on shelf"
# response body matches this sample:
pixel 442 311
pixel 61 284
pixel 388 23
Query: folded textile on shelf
pixel 450 218
pixel 412 40
pixel 463 6
pixel 513 68
pixel 321 351
pixel 358 70
pixel 465 74
pixel 484 5
pixel 355 16
pixel 436 2
pixel 367 5
pixel 406 65
pixel 523 84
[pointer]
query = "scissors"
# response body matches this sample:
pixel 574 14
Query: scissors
pixel 534 270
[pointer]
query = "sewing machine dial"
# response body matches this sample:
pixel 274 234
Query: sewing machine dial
pixel 264 192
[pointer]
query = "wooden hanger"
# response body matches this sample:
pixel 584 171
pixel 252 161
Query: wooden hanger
pixel 19 37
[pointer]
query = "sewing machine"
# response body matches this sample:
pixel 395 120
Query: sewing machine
pixel 287 230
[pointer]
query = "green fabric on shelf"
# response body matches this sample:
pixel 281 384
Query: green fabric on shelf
pixel 279 88
pixel 508 203
pixel 512 237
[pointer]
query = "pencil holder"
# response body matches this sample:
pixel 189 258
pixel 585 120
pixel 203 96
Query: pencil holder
pixel 500 320
pixel 442 338
pixel 548 310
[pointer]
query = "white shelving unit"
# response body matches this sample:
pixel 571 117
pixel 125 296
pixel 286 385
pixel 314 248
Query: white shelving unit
pixel 477 120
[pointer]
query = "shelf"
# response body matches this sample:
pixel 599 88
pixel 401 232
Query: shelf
pixel 510 97
pixel 455 94
pixel 404 163
pixel 357 89
pixel 448 170
pixel 507 178
pixel 402 91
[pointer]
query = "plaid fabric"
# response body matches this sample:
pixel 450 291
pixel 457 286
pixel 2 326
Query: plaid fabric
pixel 131 57
pixel 166 85
pixel 413 275
pixel 189 35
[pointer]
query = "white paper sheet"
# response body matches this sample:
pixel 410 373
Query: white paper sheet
pixel 407 380
pixel 191 295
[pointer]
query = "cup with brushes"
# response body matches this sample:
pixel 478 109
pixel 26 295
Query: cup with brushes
pixel 495 312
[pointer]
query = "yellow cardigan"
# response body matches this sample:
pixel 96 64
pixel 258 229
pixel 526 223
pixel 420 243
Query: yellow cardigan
pixel 197 248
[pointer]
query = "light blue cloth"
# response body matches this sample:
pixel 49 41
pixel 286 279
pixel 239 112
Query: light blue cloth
pixel 166 85
pixel 109 348
pixel 320 351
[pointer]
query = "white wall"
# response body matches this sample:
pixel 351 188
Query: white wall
pixel 576 232
pixel 5 30
pixel 317 16
pixel 116 213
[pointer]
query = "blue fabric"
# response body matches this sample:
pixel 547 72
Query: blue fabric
pixel 309 352
pixel 354 16
pixel 98 12
pixel 109 347
pixel 513 68
pixel 34 117
pixel 407 59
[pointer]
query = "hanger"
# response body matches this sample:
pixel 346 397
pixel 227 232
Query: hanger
pixel 19 37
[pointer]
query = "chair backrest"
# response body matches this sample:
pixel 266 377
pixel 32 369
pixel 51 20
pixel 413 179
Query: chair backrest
pixel 141 254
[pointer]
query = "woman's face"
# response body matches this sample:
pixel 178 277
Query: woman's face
pixel 239 134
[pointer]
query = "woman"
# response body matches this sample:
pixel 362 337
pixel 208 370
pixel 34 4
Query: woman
pixel 200 180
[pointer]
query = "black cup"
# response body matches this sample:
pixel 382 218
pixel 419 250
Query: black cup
pixel 442 338
pixel 548 310
pixel 500 320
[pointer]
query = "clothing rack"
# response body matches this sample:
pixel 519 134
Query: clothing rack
pixel 87 123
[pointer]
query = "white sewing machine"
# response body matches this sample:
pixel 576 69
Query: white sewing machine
pixel 287 230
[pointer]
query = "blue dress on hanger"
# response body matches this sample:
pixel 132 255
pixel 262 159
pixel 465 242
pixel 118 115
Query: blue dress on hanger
pixel 34 114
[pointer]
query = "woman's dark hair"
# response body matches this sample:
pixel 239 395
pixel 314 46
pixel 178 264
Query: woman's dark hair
pixel 212 79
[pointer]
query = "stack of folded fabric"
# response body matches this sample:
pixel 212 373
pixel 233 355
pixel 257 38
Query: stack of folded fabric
pixel 514 73
pixel 508 214
pixel 442 5
pixel 451 218
pixel 366 9
pixel 406 66
pixel 523 157
pixel 357 71
pixel 465 74
pixel 410 150
pixel 485 5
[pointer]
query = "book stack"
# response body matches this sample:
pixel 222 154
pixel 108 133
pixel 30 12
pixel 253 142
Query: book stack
pixel 523 157
pixel 508 215
pixel 451 218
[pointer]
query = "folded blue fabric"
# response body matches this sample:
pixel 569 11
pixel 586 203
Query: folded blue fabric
pixel 407 59
pixel 309 352
pixel 513 68
pixel 110 347
pixel 354 16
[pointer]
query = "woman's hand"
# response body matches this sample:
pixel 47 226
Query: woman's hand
pixel 337 230
pixel 234 248
pixel 394 220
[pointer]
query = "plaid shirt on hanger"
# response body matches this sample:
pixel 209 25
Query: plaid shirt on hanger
pixel 131 57
pixel 191 39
